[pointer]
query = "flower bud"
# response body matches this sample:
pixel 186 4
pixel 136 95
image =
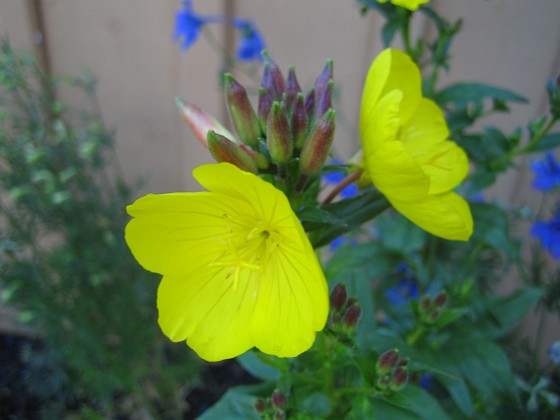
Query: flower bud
pixel 310 102
pixel 440 300
pixel 200 122
pixel 324 102
pixel 299 120
pixel 382 382
pixel 279 415
pixel 399 379
pixel 318 144
pixel 322 82
pixel 292 88
pixel 278 399
pixel 272 79
pixel 425 304
pixel 265 103
pixel 387 362
pixel 260 406
pixel 224 150
pixel 338 297
pixel 260 159
pixel 278 134
pixel 351 316
pixel 241 112
pixel 433 316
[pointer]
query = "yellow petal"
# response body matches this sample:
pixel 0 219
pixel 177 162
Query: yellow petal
pixel 446 164
pixel 204 309
pixel 446 215
pixel 389 165
pixel 292 303
pixel 426 128
pixel 392 69
pixel 407 4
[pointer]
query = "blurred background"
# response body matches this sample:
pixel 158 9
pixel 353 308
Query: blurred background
pixel 127 45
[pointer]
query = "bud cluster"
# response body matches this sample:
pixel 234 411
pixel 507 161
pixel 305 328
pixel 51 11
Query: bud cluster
pixel 273 407
pixel 429 310
pixel 289 131
pixel 345 312
pixel 391 371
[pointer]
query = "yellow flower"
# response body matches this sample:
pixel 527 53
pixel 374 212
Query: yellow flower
pixel 407 4
pixel 406 154
pixel 238 270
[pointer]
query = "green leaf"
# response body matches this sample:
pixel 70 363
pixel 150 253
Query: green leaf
pixel 236 404
pixel 547 143
pixel 419 402
pixel 491 227
pixel 458 391
pixel 508 311
pixel 319 215
pixel 353 212
pixel 259 369
pixel 462 93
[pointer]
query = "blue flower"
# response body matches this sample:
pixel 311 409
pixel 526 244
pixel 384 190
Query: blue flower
pixel 188 24
pixel 554 352
pixel 425 381
pixel 547 173
pixel 406 289
pixel 251 43
pixel 337 177
pixel 549 234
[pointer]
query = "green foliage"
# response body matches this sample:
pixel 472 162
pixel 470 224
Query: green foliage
pixel 63 259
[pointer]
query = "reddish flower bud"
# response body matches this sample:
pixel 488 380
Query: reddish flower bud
pixel 279 135
pixel 382 382
pixel 352 316
pixel 224 150
pixel 338 297
pixel 265 103
pixel 387 362
pixel 399 379
pixel 318 144
pixel 440 300
pixel 292 88
pixel 260 406
pixel 425 303
pixel 279 415
pixel 300 122
pixel 278 399
pixel 323 80
pixel 200 122
pixel 433 316
pixel 272 78
pixel 324 102
pixel 310 103
pixel 241 112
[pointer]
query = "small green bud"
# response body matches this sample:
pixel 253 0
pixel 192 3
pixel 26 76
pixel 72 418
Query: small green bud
pixel 318 144
pixel 279 135
pixel 224 150
pixel 241 112
pixel 433 316
pixel 382 383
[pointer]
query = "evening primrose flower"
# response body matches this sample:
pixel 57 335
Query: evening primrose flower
pixel 238 270
pixel 407 4
pixel 406 154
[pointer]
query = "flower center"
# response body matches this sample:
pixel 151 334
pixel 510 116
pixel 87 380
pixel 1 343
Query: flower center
pixel 245 248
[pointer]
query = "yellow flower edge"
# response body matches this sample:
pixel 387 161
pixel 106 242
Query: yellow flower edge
pixel 407 4
pixel 406 152
pixel 238 270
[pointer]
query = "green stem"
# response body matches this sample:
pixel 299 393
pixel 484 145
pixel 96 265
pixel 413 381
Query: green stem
pixel 416 335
